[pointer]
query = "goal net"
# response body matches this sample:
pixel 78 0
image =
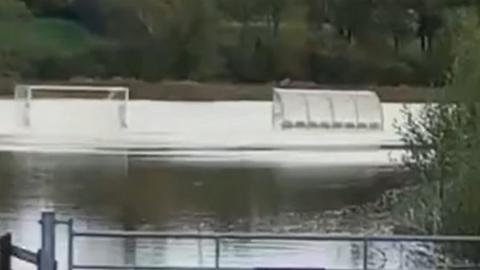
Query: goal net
pixel 326 109
pixel 75 110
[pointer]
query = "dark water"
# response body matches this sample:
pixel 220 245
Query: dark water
pixel 135 193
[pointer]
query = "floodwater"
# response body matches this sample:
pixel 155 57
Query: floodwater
pixel 133 193
pixel 85 124
pixel 201 190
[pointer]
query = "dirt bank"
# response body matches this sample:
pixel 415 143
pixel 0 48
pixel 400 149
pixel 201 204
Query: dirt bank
pixel 188 90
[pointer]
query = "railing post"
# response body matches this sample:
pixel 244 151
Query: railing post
pixel 70 244
pixel 5 252
pixel 39 259
pixel 47 261
pixel 217 253
pixel 365 253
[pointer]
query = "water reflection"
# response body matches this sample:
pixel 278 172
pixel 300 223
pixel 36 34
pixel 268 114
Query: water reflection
pixel 129 193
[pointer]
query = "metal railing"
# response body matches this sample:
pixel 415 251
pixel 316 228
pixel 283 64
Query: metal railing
pixel 219 238
pixel 8 251
pixel 47 258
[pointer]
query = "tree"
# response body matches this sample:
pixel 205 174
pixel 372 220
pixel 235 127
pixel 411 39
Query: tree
pixel 56 8
pixel 13 9
pixel 397 20
pixel 319 12
pixel 242 12
pixel 444 142
pixel 191 29
pixel 150 13
pixel 353 18
pixel 429 20
pixel 11 12
pixel 91 14
pixel 122 19
pixel 274 11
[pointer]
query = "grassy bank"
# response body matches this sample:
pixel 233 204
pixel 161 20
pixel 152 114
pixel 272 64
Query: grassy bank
pixel 177 90
pixel 50 36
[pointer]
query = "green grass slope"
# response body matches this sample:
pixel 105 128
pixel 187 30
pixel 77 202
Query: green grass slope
pixel 38 38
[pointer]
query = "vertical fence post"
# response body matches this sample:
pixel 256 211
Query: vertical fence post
pixel 401 256
pixel 5 252
pixel 39 259
pixel 70 244
pixel 217 253
pixel 48 241
pixel 365 253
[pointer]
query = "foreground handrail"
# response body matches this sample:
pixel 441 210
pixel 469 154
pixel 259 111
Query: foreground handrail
pixel 271 236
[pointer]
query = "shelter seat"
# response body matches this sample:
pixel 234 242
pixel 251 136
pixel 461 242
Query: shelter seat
pixel 349 125
pixel 300 124
pixel 325 125
pixel 362 125
pixel 287 124
pixel 337 125
pixel 374 125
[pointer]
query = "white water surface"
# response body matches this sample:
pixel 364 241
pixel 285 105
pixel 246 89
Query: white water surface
pixel 222 131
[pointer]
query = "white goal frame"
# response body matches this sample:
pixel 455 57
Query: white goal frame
pixel 24 94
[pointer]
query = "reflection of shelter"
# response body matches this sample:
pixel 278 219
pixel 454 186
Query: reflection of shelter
pixel 326 109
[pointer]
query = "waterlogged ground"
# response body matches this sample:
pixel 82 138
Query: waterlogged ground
pixel 85 124
pixel 133 193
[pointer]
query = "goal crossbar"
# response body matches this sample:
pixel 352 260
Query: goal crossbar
pixel 76 88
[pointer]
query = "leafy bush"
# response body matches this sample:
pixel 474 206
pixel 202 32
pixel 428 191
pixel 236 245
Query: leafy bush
pixel 444 148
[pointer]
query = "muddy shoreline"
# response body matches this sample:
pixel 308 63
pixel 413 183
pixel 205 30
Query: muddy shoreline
pixel 212 91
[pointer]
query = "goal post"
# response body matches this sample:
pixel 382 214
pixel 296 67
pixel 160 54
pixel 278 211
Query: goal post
pixel 115 97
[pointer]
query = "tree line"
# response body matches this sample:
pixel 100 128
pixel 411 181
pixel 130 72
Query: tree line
pixel 383 42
